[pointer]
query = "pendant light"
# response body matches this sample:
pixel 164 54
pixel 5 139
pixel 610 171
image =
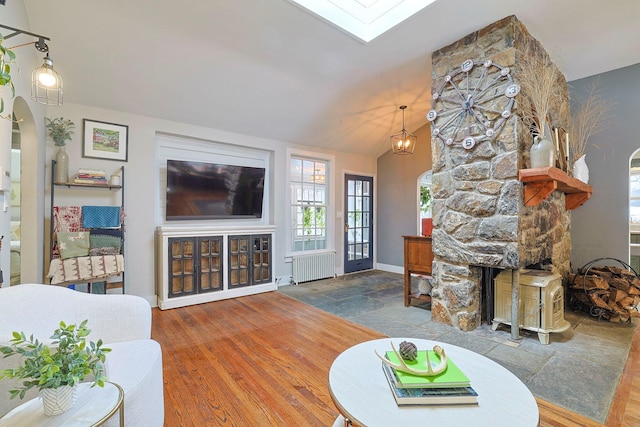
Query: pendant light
pixel 46 83
pixel 403 142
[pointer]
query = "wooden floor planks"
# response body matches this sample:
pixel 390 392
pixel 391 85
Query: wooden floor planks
pixel 263 360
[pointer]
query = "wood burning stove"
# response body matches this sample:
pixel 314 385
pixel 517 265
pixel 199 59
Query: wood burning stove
pixel 541 304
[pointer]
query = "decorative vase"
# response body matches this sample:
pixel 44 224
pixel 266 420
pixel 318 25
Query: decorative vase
pixel 62 166
pixel 580 170
pixel 542 153
pixel 58 400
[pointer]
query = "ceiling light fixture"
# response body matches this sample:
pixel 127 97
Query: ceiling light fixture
pixel 46 83
pixel 403 142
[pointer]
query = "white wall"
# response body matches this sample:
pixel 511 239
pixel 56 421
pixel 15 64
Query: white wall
pixel 31 123
pixel 141 186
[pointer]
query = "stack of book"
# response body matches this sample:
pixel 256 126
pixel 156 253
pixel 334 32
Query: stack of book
pixel 90 176
pixel 451 387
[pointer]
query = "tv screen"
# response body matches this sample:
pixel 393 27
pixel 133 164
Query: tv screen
pixel 197 191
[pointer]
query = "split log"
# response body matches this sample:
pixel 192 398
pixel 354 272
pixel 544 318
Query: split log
pixel 591 282
pixel 619 283
pixel 614 290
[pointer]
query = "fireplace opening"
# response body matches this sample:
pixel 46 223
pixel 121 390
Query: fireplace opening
pixel 487 289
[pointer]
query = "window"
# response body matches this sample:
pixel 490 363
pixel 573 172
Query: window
pixel 309 195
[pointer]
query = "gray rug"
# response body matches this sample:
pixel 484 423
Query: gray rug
pixel 579 369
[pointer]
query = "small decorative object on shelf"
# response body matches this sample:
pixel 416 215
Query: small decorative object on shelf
pixel 60 131
pixel 115 180
pixel 542 153
pixel 592 116
pixel 90 176
pixel 581 170
pixel 56 370
pixel 408 350
pixel 430 370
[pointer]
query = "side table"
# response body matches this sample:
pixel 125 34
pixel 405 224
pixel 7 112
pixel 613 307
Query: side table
pixel 418 257
pixel 93 407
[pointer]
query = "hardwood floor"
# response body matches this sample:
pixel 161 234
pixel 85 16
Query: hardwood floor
pixel 263 360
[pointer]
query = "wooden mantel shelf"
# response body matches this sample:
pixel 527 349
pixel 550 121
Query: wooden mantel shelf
pixel 539 183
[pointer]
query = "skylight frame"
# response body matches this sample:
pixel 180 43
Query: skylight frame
pixel 364 19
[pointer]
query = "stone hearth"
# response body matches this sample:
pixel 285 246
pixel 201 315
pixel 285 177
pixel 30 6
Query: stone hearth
pixel 479 216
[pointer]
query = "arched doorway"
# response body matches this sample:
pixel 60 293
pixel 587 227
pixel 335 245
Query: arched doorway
pixel 31 193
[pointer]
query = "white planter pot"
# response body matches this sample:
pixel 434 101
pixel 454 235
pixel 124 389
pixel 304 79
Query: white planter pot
pixel 580 170
pixel 58 400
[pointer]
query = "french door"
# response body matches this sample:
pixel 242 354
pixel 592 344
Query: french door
pixel 358 226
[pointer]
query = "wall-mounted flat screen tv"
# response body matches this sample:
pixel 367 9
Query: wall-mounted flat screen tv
pixel 200 191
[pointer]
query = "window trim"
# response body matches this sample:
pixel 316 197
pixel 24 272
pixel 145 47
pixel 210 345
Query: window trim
pixel 330 200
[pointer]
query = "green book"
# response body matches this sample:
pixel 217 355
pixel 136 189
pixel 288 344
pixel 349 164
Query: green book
pixel 451 377
pixel 429 395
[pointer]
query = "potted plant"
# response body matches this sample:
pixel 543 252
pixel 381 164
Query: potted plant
pixel 57 368
pixel 425 208
pixel 540 92
pixel 60 131
pixel 7 57
pixel 590 117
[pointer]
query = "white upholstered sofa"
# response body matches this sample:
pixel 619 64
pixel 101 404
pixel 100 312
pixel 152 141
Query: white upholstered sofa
pixel 123 322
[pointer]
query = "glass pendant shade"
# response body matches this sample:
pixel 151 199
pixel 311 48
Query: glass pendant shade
pixel 403 142
pixel 46 84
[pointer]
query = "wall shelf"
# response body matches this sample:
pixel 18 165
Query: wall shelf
pixel 75 184
pixel 539 183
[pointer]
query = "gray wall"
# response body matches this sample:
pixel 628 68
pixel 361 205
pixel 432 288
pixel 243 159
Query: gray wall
pixel 397 197
pixel 600 227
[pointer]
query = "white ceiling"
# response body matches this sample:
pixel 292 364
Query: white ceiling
pixel 271 69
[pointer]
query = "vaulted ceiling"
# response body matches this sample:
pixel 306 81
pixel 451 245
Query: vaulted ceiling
pixel 270 68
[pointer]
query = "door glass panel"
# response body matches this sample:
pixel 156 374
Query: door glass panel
pixel 358 223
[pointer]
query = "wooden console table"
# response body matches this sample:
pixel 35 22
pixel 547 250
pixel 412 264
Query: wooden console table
pixel 418 257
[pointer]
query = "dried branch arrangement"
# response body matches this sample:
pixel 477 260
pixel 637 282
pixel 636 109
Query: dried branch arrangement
pixel 591 117
pixel 538 79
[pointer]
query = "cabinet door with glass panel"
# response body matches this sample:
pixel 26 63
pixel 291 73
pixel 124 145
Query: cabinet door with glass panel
pixel 249 260
pixel 195 265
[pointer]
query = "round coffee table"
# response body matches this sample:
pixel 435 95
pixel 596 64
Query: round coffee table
pixel 93 407
pixel 360 390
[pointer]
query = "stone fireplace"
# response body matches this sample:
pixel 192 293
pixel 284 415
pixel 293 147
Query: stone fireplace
pixel 480 220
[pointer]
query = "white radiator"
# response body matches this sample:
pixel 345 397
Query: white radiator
pixel 313 266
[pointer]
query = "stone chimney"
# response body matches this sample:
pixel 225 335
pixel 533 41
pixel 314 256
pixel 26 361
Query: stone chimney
pixel 479 216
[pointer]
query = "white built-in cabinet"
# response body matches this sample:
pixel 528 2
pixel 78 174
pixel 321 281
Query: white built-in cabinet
pixel 202 264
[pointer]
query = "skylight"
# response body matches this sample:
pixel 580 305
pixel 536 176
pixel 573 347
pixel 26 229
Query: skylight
pixel 365 19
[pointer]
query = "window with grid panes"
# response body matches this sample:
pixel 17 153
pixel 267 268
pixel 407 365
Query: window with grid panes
pixel 309 195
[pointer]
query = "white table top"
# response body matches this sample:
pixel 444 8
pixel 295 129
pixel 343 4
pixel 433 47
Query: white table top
pixel 361 392
pixel 94 405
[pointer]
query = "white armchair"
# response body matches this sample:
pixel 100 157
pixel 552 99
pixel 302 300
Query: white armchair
pixel 123 322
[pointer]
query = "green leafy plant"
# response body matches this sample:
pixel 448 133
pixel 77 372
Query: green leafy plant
pixel 60 130
pixel 425 198
pixel 67 361
pixel 7 57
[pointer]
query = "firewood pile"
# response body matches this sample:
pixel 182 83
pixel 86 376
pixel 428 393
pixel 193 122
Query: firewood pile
pixel 611 293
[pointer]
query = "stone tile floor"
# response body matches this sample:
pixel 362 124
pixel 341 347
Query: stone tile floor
pixel 579 369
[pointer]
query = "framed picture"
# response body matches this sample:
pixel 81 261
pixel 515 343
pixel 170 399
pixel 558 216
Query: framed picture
pixel 105 140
